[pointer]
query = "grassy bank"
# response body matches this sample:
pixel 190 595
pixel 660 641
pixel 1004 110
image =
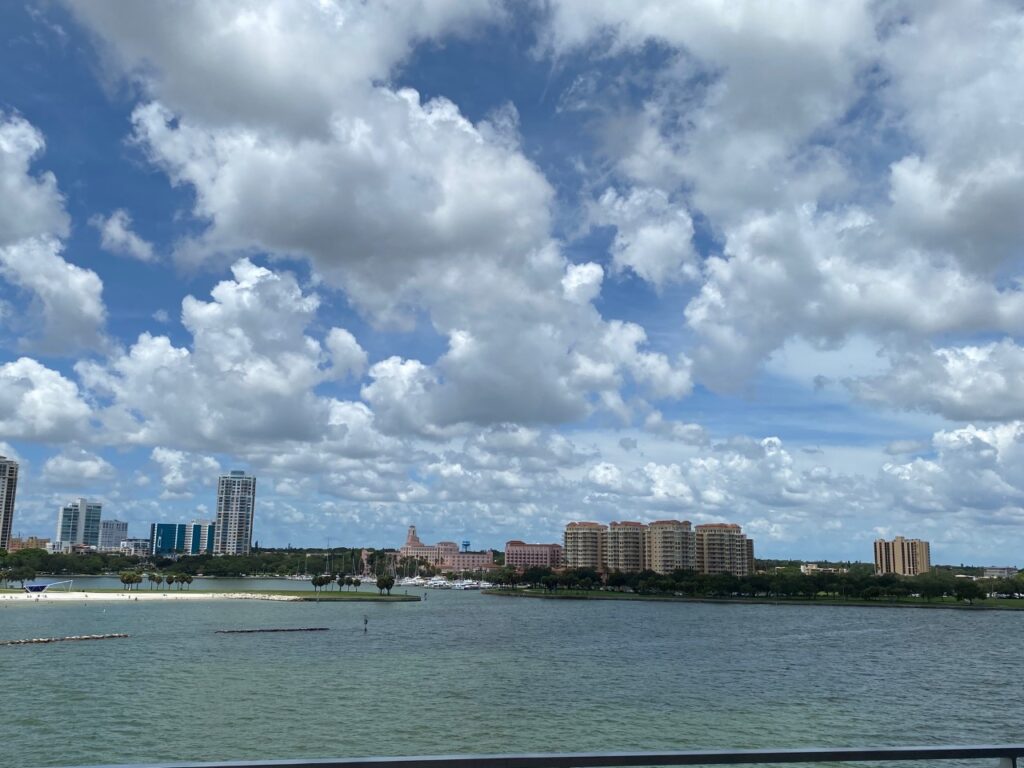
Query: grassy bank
pixel 903 602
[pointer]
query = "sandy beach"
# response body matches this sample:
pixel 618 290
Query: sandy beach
pixel 83 597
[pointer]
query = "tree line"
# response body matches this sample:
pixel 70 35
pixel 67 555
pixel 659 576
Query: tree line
pixel 841 586
pixel 285 562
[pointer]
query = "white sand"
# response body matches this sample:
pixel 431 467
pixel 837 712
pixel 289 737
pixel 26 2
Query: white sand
pixel 59 596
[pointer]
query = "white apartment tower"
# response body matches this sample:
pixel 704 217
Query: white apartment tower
pixel 236 505
pixel 8 485
pixel 79 523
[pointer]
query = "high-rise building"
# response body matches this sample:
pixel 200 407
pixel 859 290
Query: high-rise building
pixel 584 545
pixel 236 506
pixel 905 557
pixel 519 554
pixel 663 546
pixel 8 486
pixel 194 538
pixel 166 538
pixel 112 533
pixel 79 523
pixel 671 546
pixel 722 548
pixel 624 549
pixel 199 537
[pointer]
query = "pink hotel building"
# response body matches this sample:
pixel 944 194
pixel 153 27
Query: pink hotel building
pixel 519 554
pixel 445 554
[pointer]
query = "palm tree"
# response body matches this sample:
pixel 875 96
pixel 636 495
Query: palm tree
pixel 159 580
pixel 187 578
pixel 170 580
pixel 151 577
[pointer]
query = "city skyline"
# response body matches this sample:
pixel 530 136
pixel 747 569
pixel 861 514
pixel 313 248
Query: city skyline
pixel 516 264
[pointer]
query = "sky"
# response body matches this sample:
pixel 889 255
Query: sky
pixel 490 267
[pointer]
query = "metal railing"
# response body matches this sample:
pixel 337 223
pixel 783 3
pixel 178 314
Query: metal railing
pixel 1007 756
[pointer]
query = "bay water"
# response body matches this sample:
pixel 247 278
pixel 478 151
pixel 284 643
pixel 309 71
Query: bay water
pixel 463 672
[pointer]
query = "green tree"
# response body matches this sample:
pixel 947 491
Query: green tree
pixel 966 589
pixel 170 579
pixel 21 574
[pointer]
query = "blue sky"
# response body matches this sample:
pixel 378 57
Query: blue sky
pixel 488 267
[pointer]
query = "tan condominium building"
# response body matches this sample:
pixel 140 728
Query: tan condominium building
pixel 904 557
pixel 519 554
pixel 722 548
pixel 624 547
pixel 584 545
pixel 671 546
pixel 662 546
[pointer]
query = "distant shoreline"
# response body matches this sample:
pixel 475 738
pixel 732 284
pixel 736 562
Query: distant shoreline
pixel 988 605
pixel 17 597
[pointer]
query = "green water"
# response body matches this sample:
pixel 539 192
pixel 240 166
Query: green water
pixel 467 673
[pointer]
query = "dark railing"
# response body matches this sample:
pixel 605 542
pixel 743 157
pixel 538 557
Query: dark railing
pixel 1006 754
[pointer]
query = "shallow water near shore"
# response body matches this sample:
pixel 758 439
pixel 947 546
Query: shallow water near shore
pixel 466 673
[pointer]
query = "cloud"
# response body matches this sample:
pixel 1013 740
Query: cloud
pixel 692 434
pixel 33 204
pixel 66 312
pixel 73 468
pixel 902 447
pixel 347 357
pixel 959 189
pixel 976 472
pixel 67 300
pixel 379 189
pixel 180 472
pixel 582 282
pixel 248 377
pixel 39 404
pixel 984 382
pixel 824 276
pixel 653 237
pixel 116 236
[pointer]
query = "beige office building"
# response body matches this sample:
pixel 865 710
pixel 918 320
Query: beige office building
pixel 722 548
pixel 584 545
pixel 624 547
pixel 904 557
pixel 671 545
